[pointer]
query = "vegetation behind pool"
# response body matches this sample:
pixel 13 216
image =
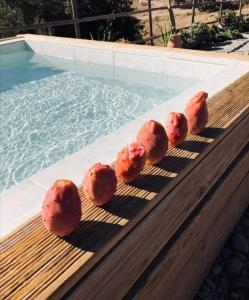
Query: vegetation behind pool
pixel 199 35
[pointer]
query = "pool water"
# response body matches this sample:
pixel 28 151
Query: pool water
pixel 52 107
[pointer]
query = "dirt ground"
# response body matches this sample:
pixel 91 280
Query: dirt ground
pixel 183 16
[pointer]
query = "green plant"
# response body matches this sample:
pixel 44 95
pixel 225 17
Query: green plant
pixel 199 35
pixel 129 27
pixel 105 36
pixel 218 34
pixel 229 19
pixel 166 35
pixel 196 36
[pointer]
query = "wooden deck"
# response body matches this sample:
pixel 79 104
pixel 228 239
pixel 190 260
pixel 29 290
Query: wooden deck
pixel 159 236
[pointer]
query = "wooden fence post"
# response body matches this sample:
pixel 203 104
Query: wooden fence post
pixel 240 7
pixel 221 7
pixel 150 22
pixel 75 16
pixel 193 12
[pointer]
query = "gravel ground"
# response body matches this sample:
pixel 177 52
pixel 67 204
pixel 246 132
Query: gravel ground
pixel 229 275
pixel 239 46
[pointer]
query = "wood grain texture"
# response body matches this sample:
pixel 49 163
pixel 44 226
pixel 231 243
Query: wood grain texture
pixel 159 282
pixel 38 265
pixel 209 247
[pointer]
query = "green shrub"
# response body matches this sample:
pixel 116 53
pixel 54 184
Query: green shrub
pixel 200 35
pixel 230 20
pixel 195 37
pixel 223 34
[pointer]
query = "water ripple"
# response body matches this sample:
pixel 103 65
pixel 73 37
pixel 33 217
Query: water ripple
pixel 45 119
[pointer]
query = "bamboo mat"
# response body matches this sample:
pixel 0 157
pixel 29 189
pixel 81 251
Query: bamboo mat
pixel 34 262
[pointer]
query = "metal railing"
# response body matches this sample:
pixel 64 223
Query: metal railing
pixel 76 21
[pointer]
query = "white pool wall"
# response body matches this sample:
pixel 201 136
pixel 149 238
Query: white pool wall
pixel 164 63
pixel 20 202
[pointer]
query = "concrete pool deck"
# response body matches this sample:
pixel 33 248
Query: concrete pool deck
pixel 216 70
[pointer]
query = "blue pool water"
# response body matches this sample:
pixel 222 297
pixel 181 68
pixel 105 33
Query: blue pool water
pixel 51 107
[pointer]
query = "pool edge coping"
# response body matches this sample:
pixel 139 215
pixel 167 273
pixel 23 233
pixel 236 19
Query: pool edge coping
pixel 127 46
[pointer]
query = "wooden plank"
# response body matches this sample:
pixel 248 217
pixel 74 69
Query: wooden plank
pixel 150 22
pixel 160 277
pixel 75 16
pixel 221 7
pixel 193 12
pixel 240 7
pixel 130 258
pixel 51 266
pixel 209 248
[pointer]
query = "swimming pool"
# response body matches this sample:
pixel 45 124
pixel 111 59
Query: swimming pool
pixel 52 109
pixel 67 104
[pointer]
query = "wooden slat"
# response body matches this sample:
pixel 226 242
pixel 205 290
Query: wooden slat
pixel 159 280
pixel 35 264
pixel 210 246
